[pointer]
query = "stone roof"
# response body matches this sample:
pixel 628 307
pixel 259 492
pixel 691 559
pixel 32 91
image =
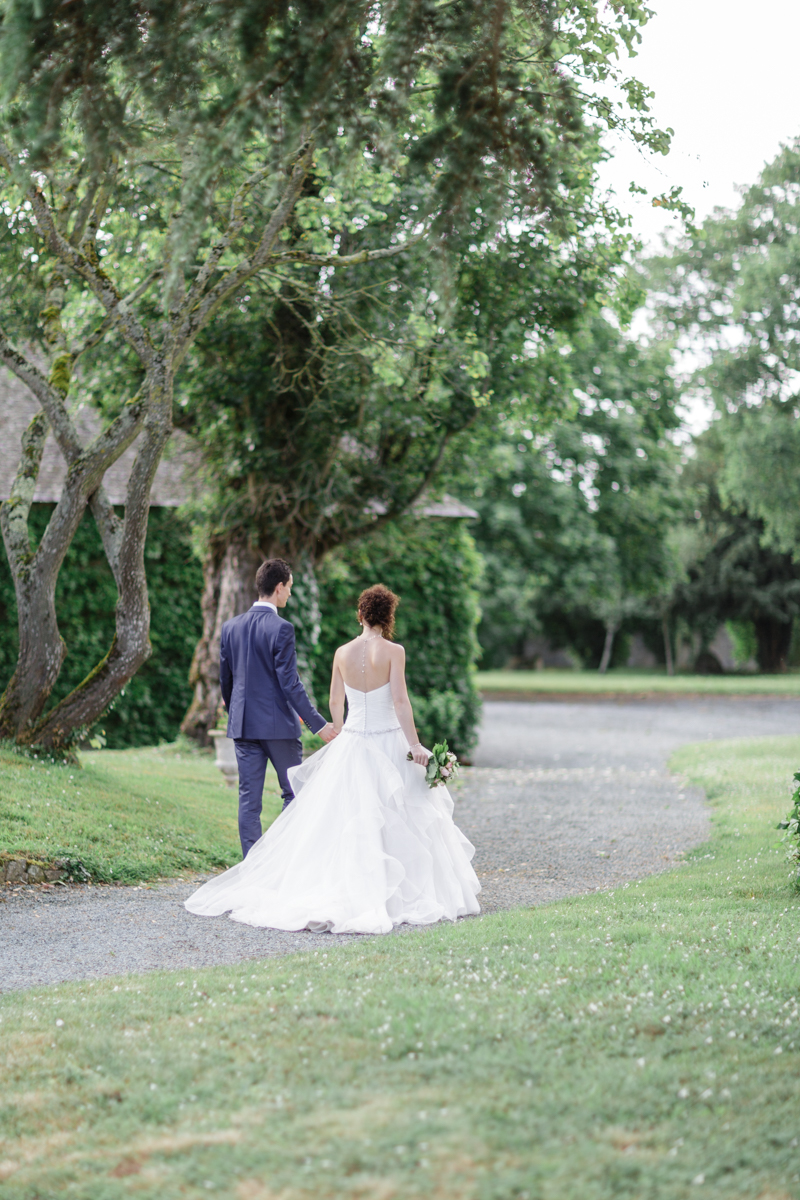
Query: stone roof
pixel 171 486
pixel 448 506
pixel 17 407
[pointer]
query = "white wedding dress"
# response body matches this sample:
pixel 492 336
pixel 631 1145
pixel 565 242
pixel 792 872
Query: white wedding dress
pixel 365 845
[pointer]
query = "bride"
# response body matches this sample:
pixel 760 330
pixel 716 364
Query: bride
pixel 366 844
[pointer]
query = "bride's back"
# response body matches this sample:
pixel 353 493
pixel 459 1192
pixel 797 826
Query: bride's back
pixel 366 663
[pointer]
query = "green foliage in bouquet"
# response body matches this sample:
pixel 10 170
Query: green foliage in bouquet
pixel 442 765
pixel 791 827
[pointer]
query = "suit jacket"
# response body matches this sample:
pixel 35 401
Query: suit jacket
pixel 258 676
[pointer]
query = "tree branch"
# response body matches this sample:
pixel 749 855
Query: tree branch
pixel 110 528
pixel 84 209
pixel 109 444
pixel 204 310
pixel 99 283
pixel 236 219
pixel 51 401
pixel 92 216
pixel 346 260
pixel 93 461
pixel 14 511
pixel 97 334
pixel 68 202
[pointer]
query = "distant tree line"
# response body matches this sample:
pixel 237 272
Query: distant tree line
pixel 606 521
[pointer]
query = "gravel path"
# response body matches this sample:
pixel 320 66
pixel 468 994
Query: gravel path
pixel 564 798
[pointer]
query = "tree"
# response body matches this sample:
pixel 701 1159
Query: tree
pixel 737 574
pixel 731 286
pixel 323 416
pixel 154 155
pixel 575 520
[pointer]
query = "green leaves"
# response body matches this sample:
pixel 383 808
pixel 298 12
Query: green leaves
pixel 442 767
pixel 791 827
pixel 154 702
pixel 575 514
pixel 434 567
pixel 761 470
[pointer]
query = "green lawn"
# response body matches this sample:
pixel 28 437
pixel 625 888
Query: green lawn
pixel 125 815
pixel 637 682
pixel 640 1043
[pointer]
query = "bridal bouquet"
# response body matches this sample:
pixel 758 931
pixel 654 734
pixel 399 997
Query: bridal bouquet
pixel 442 765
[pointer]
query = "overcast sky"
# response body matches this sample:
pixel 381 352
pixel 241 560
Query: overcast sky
pixel 726 79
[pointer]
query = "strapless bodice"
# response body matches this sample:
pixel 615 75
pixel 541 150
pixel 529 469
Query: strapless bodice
pixel 370 712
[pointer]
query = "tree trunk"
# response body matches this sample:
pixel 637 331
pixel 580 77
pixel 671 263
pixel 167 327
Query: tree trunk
pixel 131 647
pixel 774 639
pixel 229 590
pixel 304 613
pixel 608 647
pixel 35 573
pixel 667 645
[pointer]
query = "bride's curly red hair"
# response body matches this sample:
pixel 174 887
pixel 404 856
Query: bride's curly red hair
pixel 377 606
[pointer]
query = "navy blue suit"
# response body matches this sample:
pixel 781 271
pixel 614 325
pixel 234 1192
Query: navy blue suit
pixel 263 695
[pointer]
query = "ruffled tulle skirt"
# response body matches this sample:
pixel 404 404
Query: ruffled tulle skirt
pixel 365 845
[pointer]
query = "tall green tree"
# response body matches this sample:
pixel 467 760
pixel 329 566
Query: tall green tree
pixel 322 416
pixel 731 288
pixel 575 521
pixel 736 572
pixel 154 153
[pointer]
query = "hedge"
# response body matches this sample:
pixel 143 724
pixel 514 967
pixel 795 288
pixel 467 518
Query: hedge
pixel 152 706
pixel 432 565
pixel 435 568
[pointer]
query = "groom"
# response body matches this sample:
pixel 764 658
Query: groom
pixel 263 695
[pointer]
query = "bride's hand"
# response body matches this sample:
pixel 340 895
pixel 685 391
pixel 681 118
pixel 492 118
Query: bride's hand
pixel 420 754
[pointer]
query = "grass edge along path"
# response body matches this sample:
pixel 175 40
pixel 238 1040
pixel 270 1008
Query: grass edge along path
pixel 638 1042
pixel 576 685
pixel 124 816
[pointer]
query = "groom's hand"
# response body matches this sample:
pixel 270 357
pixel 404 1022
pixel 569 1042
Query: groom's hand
pixel 327 733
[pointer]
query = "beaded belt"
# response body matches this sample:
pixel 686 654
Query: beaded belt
pixel 369 732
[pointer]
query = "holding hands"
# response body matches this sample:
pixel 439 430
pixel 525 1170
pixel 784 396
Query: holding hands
pixel 420 755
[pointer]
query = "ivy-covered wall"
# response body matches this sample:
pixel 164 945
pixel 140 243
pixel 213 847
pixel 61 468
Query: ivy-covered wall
pixel 432 565
pixel 435 568
pixel 151 708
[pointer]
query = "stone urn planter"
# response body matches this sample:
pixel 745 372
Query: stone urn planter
pixel 226 756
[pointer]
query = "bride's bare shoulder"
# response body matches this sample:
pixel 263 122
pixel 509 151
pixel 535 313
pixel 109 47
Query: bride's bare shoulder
pixel 345 646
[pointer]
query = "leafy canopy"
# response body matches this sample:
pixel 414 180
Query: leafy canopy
pixel 731 287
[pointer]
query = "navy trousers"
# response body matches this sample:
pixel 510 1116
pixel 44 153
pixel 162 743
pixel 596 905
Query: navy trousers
pixel 252 757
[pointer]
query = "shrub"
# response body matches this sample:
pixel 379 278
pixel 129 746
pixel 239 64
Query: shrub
pixel 152 705
pixel 434 567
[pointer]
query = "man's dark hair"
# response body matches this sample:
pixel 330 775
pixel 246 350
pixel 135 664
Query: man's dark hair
pixel 270 574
